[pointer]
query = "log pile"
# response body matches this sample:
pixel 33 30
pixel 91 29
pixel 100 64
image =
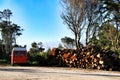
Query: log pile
pixel 89 57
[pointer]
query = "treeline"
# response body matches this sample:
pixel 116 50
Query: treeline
pixel 98 21
pixel 9 32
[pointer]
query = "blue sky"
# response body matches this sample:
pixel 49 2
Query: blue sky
pixel 40 20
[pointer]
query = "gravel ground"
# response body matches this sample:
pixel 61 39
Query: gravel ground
pixel 54 73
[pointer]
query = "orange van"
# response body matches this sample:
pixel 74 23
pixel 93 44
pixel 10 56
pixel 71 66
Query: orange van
pixel 19 56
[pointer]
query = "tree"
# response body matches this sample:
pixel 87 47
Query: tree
pixel 92 19
pixel 73 16
pixel 60 46
pixel 9 31
pixel 111 10
pixel 2 47
pixel 35 50
pixel 68 42
pixel 100 19
pixel 108 32
pixel 36 47
pixel 48 52
pixel 36 54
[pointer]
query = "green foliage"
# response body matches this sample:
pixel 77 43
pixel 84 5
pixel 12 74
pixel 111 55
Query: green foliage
pixel 36 55
pixel 44 55
pixel 6 13
pixel 106 38
pixel 38 58
pixel 48 52
pixel 68 42
pixel 36 47
pixel 9 33
pixel 60 46
pixel 108 33
pixel 9 30
pixel 5 59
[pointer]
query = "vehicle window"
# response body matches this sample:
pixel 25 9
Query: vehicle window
pixel 19 53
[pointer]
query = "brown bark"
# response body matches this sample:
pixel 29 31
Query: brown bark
pixel 90 57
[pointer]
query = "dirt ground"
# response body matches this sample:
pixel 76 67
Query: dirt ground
pixel 54 73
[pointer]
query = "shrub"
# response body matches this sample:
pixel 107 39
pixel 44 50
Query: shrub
pixel 37 58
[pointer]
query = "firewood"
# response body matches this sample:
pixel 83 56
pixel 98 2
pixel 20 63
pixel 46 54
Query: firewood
pixel 91 57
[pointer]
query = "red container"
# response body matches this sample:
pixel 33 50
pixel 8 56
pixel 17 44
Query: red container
pixel 19 56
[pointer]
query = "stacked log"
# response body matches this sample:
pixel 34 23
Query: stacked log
pixel 89 57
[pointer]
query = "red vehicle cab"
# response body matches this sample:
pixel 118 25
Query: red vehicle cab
pixel 19 56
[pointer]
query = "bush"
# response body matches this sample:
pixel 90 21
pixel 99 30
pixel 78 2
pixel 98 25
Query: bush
pixel 5 59
pixel 37 59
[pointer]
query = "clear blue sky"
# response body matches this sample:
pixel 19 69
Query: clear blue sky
pixel 40 20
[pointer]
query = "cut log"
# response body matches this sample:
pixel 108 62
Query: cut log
pixel 91 57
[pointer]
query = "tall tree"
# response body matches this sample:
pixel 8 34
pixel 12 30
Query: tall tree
pixel 92 15
pixel 73 16
pixel 111 9
pixel 108 32
pixel 9 31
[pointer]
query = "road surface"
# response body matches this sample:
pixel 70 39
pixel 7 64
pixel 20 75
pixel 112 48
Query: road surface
pixel 54 73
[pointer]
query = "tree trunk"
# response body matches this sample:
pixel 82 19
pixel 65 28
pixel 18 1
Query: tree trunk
pixel 76 41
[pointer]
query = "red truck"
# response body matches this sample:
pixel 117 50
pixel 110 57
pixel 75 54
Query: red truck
pixel 19 56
